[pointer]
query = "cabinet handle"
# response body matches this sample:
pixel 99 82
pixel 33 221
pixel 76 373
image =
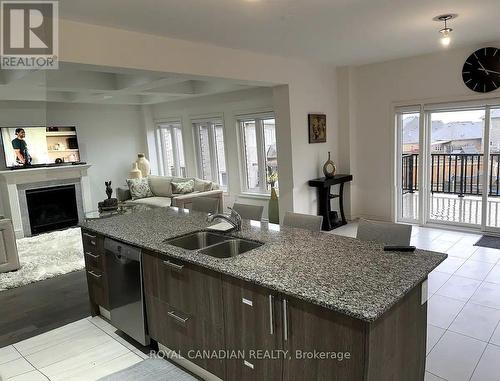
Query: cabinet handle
pixel 173 266
pixel 91 237
pixel 174 316
pixel 285 319
pixel 271 318
pixel 97 276
pixel 92 255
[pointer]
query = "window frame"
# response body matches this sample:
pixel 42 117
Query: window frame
pixel 172 126
pixel 212 149
pixel 261 151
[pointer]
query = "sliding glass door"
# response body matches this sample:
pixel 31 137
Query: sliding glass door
pixel 455 166
pixel 491 208
pixel 408 125
pixel 448 165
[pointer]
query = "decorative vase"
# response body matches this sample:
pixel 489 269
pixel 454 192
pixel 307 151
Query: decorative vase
pixel 143 164
pixel 329 168
pixel 135 173
pixel 273 208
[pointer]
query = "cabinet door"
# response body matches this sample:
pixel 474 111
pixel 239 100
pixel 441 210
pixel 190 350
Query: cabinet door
pixel 252 323
pixel 309 330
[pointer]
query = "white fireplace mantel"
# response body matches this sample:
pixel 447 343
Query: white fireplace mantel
pixel 12 181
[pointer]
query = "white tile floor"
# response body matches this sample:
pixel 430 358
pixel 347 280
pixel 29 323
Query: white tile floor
pixel 463 323
pixel 87 349
pixel 463 335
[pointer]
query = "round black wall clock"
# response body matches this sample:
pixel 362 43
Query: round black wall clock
pixel 481 71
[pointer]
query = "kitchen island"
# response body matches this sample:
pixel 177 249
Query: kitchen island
pixel 317 306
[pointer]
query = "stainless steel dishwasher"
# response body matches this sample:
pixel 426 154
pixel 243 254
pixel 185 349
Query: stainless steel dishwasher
pixel 124 269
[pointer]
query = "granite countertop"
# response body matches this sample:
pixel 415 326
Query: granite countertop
pixel 346 275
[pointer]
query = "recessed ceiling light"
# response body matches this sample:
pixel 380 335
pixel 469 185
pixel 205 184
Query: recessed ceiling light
pixel 107 97
pixel 445 32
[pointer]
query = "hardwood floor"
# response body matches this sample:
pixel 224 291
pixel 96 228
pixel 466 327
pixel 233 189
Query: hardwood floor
pixel 42 306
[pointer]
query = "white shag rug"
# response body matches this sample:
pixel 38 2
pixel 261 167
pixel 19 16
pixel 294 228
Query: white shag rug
pixel 45 256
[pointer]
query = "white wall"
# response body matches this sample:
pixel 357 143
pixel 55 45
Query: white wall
pixel 109 136
pixel 311 88
pixel 369 93
pixel 228 106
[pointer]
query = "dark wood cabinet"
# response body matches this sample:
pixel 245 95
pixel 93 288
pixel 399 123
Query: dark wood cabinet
pixel 390 348
pixel 253 327
pixel 184 310
pixel 184 286
pixel 95 266
pixel 318 341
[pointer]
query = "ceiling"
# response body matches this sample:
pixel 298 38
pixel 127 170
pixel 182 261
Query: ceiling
pixel 88 84
pixel 335 31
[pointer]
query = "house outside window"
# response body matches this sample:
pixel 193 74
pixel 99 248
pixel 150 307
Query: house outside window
pixel 210 151
pixel 170 149
pixel 259 153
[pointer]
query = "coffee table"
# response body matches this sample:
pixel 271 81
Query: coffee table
pixel 123 208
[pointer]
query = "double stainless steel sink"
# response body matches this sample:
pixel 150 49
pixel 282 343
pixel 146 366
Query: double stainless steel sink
pixel 214 244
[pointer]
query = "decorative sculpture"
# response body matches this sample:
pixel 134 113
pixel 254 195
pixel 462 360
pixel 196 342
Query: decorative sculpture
pixel 109 190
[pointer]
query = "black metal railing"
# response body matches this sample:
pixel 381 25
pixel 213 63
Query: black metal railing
pixel 410 173
pixel 459 174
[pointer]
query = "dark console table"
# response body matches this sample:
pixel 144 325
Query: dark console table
pixel 323 185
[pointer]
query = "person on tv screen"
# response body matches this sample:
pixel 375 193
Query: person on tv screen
pixel 21 148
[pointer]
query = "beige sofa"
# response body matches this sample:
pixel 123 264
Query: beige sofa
pixel 9 260
pixel 161 187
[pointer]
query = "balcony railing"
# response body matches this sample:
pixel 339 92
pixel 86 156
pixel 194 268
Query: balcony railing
pixel 459 174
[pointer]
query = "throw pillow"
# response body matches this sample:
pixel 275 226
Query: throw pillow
pixel 160 185
pixel 183 188
pixel 139 188
pixel 202 185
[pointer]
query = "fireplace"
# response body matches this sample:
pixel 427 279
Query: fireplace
pixel 52 208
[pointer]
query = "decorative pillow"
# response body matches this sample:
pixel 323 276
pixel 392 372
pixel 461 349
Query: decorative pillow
pixel 183 188
pixel 139 188
pixel 202 185
pixel 160 185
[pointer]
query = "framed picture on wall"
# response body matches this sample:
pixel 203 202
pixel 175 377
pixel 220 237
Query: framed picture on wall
pixel 317 128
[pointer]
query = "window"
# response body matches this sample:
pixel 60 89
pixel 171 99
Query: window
pixel 171 149
pixel 209 137
pixel 259 156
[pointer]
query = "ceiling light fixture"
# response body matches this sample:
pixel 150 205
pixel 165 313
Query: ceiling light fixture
pixel 445 32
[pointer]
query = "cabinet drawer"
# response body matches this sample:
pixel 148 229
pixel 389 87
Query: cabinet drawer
pixel 188 335
pixel 92 243
pixel 97 284
pixel 184 286
pixel 93 260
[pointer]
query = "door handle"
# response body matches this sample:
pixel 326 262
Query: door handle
pixel 97 276
pixel 285 319
pixel 92 255
pixel 178 318
pixel 173 266
pixel 271 317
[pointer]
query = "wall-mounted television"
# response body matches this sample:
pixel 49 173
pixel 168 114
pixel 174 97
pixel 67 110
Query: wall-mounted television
pixel 39 145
